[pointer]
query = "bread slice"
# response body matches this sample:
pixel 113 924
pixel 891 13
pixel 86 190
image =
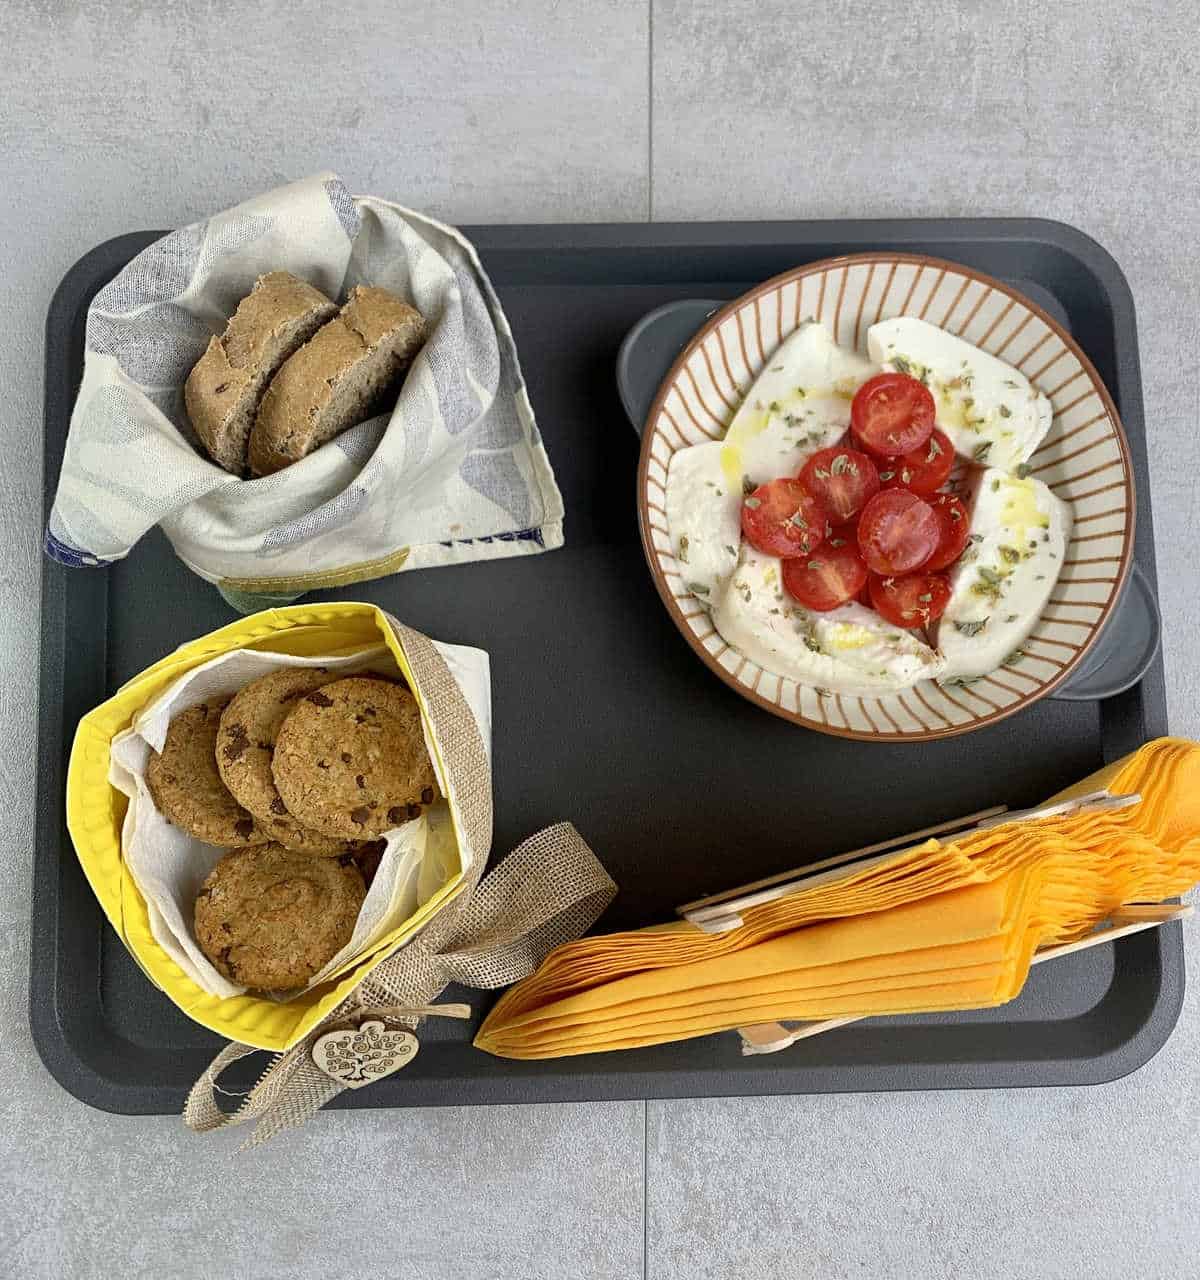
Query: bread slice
pixel 222 391
pixel 342 376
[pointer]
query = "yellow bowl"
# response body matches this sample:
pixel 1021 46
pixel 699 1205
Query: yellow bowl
pixel 96 811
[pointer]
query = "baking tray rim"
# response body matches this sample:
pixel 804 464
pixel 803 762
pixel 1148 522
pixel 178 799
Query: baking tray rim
pixel 72 1070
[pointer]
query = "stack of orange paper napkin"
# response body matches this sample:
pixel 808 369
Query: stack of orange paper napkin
pixel 946 924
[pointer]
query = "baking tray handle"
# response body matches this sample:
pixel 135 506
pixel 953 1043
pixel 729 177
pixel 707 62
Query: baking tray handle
pixel 1125 648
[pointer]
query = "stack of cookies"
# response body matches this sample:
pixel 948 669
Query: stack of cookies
pixel 298 775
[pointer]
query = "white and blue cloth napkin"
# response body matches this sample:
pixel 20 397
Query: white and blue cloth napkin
pixel 456 472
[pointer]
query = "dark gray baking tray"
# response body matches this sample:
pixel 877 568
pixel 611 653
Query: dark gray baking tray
pixel 603 716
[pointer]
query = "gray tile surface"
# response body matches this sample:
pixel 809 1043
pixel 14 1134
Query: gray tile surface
pixel 506 1192
pixel 120 115
pixel 117 116
pixel 1041 1185
pixel 866 109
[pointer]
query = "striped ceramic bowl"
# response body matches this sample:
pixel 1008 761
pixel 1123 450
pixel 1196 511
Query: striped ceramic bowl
pixel 1084 459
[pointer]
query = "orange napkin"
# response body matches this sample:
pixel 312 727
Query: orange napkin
pixel 942 925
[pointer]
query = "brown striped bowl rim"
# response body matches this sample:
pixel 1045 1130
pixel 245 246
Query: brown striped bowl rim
pixel 846 261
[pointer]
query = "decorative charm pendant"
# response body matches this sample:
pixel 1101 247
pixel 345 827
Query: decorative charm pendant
pixel 357 1056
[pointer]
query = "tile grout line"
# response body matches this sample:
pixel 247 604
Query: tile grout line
pixel 649 110
pixel 645 1190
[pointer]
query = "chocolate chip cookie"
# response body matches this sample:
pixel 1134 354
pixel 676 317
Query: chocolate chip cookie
pixel 350 759
pixel 246 743
pixel 187 788
pixel 270 918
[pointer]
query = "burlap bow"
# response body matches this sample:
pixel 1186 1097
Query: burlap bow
pixel 495 932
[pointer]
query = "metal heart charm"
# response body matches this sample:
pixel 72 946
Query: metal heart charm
pixel 357 1056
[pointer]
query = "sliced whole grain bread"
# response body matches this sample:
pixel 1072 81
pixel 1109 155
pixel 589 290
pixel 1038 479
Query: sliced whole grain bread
pixel 343 375
pixel 224 388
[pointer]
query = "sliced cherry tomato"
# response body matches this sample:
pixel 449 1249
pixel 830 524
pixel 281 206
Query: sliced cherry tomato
pixel 915 601
pixel 923 471
pixel 954 529
pixel 841 480
pixel 832 576
pixel 891 414
pixel 897 532
pixel 850 533
pixel 781 518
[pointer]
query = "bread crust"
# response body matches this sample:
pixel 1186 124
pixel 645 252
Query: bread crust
pixel 340 377
pixel 223 390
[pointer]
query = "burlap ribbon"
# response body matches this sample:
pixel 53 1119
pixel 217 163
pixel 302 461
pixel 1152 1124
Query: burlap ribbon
pixel 495 932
